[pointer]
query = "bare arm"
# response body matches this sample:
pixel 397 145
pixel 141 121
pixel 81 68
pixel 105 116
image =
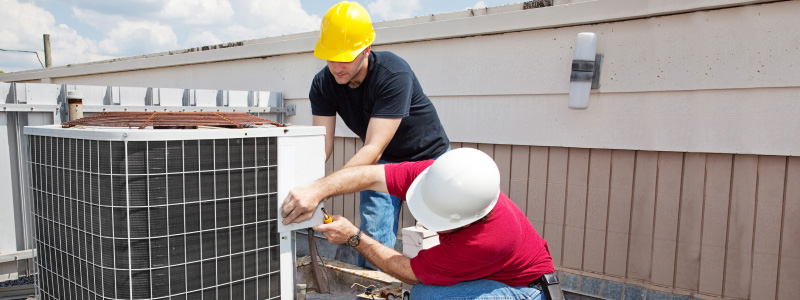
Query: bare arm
pixel 385 258
pixel 299 205
pixel 330 129
pixel 380 132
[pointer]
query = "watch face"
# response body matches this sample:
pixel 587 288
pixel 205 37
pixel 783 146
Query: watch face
pixel 353 241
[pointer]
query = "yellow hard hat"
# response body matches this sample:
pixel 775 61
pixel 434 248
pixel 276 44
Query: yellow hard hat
pixel 346 30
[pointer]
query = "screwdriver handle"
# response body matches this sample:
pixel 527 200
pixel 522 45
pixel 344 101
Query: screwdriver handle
pixel 326 218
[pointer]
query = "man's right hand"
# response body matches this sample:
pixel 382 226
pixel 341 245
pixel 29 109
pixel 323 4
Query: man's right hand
pixel 299 205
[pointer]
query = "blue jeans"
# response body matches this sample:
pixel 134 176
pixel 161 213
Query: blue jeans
pixel 380 215
pixel 477 289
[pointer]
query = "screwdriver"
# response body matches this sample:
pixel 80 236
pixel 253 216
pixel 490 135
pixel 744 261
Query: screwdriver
pixel 326 218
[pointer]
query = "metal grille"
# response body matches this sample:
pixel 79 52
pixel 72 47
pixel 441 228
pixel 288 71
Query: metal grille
pixel 191 219
pixel 190 120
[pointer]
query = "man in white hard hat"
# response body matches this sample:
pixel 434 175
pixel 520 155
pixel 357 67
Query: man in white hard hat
pixel 488 248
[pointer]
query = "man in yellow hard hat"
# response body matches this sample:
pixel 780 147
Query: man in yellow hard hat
pixel 379 98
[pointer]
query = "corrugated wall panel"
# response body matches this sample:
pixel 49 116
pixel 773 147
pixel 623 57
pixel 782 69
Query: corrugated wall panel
pixel 769 212
pixel 597 210
pixel 665 229
pixel 537 187
pixel 348 203
pixel 642 216
pixel 337 156
pixel 518 189
pixel 790 240
pixel 687 264
pixel 619 211
pixel 683 220
pixel 357 219
pixel 554 204
pixel 575 220
pixel 502 156
pixel 715 223
pixel 487 148
pixel 741 218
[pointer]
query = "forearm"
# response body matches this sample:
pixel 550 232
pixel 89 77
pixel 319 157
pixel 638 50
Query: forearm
pixel 351 180
pixel 368 155
pixel 387 260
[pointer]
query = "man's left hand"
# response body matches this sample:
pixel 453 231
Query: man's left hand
pixel 338 231
pixel 299 205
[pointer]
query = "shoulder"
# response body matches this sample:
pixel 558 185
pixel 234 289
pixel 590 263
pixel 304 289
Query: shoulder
pixel 390 62
pixel 321 76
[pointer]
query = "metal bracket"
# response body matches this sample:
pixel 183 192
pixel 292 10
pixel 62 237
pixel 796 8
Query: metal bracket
pixel 583 70
pixel 30 107
pixel 289 110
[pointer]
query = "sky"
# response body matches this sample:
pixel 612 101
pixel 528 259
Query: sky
pixel 90 30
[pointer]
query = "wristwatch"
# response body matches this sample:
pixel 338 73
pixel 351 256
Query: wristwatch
pixel 355 239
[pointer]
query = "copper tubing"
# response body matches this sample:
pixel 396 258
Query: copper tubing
pixel 170 120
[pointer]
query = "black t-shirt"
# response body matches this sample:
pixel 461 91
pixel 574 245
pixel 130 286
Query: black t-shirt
pixel 390 90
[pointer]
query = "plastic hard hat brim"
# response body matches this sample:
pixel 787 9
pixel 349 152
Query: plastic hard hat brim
pixel 346 56
pixel 426 217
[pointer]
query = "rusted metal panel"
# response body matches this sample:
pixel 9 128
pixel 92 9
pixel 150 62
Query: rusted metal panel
pixel 715 223
pixel 575 219
pixel 555 202
pixel 170 120
pixel 769 212
pixel 597 210
pixel 619 211
pixel 665 231
pixel 640 254
pixel 741 222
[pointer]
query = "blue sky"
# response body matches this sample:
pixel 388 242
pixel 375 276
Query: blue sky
pixel 91 30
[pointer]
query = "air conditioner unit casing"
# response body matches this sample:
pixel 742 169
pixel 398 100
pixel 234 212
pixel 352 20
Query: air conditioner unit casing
pixel 168 213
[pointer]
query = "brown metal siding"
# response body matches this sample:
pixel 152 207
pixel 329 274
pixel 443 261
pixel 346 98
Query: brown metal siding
pixel 711 225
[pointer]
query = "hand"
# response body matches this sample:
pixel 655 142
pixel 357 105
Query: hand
pixel 299 205
pixel 338 231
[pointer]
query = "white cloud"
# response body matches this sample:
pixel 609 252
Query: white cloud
pixel 198 11
pixel 205 38
pixel 478 5
pixel 139 37
pixel 135 27
pixel 101 21
pixel 22 29
pixel 273 18
pixel 393 9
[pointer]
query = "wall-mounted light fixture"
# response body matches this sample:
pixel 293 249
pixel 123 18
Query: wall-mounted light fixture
pixel 585 70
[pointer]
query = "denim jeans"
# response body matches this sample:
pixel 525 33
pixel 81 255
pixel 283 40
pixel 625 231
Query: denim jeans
pixel 380 215
pixel 483 289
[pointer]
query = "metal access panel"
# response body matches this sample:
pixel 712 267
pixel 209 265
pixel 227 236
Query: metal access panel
pixel 169 213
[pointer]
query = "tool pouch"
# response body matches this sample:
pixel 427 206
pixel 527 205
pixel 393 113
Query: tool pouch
pixel 551 287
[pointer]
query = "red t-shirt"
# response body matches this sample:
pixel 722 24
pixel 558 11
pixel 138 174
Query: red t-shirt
pixel 504 247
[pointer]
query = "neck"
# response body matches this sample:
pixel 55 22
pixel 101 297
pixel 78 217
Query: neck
pixel 362 73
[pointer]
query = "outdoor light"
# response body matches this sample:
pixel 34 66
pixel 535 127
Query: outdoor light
pixel 585 67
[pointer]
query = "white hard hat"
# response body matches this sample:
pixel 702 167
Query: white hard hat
pixel 459 188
